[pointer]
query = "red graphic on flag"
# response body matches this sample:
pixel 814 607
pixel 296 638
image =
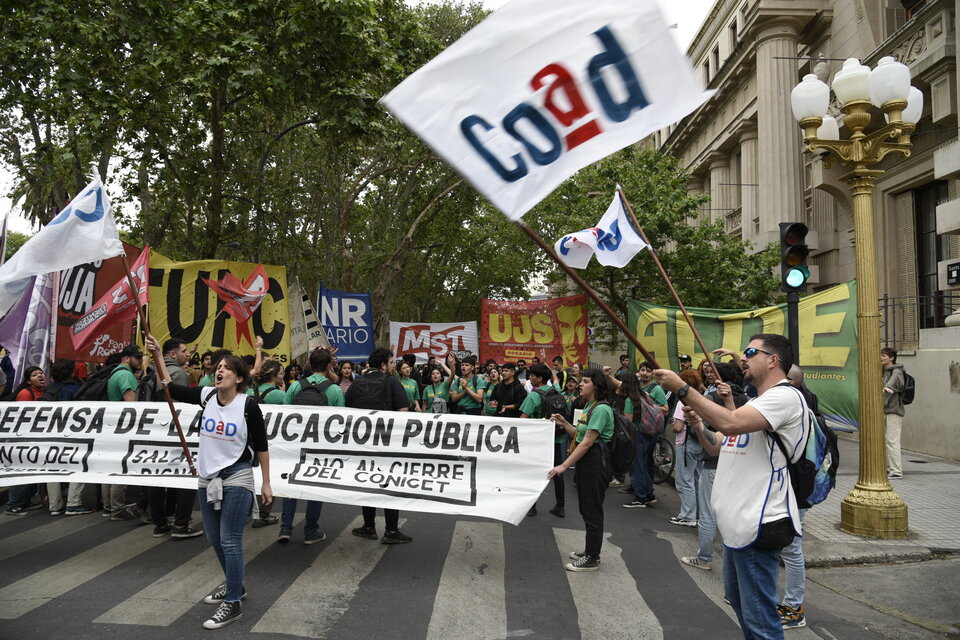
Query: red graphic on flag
pixel 115 306
pixel 241 299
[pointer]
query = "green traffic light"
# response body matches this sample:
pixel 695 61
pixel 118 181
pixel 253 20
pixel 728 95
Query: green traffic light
pixel 797 276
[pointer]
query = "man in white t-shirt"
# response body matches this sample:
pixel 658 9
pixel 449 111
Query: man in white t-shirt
pixel 756 510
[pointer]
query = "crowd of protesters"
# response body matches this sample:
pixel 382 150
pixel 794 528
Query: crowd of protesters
pixel 581 402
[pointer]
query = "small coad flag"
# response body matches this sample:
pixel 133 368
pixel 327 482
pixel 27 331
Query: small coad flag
pixel 614 240
pixel 541 89
pixel 116 306
pixel 242 298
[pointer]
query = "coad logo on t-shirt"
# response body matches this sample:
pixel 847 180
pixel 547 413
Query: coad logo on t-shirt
pixel 220 428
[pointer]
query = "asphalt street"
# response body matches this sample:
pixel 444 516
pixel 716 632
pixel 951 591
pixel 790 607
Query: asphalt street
pixel 87 577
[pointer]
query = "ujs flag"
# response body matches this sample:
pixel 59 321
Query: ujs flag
pixel 614 240
pixel 541 89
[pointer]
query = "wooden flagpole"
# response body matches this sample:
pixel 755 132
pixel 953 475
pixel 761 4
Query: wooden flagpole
pixel 157 357
pixel 586 289
pixel 666 278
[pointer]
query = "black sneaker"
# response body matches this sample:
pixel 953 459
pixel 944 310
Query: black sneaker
pixel 635 504
pixel 161 530
pixel 558 511
pixel 15 511
pixel 370 533
pixel 314 538
pixel 185 532
pixel 220 593
pixel 226 613
pixel 263 522
pixel 586 563
pixel 395 537
pixel 284 536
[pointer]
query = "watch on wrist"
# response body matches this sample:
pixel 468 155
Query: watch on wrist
pixel 682 391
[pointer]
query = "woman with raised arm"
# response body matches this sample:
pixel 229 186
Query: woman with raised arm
pixel 232 440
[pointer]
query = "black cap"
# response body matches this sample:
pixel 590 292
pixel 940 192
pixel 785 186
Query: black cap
pixel 131 350
pixel 509 365
pixel 686 357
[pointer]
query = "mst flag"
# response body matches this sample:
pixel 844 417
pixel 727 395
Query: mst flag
pixel 613 240
pixel 115 306
pixel 540 89
pixel 242 298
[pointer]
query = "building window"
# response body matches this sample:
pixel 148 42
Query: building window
pixel 706 73
pixel 715 59
pixel 912 6
pixel 733 35
pixel 931 249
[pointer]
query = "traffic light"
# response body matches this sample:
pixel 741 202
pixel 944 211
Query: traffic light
pixel 794 272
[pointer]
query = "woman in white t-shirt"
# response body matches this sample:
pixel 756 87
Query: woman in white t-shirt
pixel 232 438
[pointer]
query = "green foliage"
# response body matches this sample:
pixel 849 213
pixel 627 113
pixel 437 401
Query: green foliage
pixel 708 267
pixel 15 240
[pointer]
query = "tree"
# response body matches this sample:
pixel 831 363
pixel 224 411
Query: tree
pixel 708 267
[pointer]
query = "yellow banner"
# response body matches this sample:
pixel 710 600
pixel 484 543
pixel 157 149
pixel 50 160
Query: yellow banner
pixel 182 306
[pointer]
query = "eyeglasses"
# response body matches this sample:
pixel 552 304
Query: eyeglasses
pixel 752 351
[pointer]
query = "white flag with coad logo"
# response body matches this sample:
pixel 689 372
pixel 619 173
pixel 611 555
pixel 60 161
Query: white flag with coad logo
pixel 614 240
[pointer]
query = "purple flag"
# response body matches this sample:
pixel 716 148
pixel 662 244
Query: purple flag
pixel 27 331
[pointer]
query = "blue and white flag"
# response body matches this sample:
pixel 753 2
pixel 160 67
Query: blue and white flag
pixel 613 240
pixel 83 232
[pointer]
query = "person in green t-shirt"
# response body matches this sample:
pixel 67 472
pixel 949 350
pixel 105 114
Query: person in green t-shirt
pixel 270 383
pixel 591 476
pixel 467 390
pixel 532 407
pixel 122 386
pixel 437 390
pixel 410 386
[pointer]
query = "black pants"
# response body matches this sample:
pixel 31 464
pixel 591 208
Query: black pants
pixel 592 480
pixel 559 451
pixel 392 516
pixel 160 505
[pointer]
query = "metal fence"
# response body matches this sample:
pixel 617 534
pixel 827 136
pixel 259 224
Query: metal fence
pixel 901 318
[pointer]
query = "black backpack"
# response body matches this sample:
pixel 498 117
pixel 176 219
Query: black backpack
pixel 147 390
pixel 370 391
pixel 95 387
pixel 909 389
pixel 312 394
pixel 52 392
pixel 623 444
pixel 551 402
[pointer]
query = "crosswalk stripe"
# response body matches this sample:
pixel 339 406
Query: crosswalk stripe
pixel 27 594
pixel 320 595
pixel 606 598
pixel 471 597
pixel 710 582
pixel 21 542
pixel 161 603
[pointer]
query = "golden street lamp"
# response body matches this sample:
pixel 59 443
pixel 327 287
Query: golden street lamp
pixel 872 508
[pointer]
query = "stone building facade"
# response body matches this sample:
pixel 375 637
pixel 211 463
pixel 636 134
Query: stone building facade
pixel 745 149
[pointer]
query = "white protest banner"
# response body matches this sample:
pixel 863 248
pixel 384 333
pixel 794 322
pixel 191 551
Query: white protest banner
pixel 434 339
pixel 540 89
pixel 472 465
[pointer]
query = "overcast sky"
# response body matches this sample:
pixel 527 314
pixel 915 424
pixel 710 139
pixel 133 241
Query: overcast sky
pixel 686 14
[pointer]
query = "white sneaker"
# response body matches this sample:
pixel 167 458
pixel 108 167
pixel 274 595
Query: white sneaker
pixel 697 563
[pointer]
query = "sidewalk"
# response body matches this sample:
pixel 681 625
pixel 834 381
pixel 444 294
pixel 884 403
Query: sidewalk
pixel 931 489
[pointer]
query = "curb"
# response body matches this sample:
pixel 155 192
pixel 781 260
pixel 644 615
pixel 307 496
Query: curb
pixel 872 556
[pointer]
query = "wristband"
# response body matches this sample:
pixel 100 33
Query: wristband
pixel 682 391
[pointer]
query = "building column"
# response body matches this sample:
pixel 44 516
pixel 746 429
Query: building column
pixel 780 161
pixel 719 165
pixel 748 193
pixel 694 188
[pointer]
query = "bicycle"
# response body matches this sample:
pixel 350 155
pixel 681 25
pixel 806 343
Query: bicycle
pixel 664 459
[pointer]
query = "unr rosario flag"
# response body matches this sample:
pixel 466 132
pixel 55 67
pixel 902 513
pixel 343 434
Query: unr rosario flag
pixel 540 89
pixel 614 240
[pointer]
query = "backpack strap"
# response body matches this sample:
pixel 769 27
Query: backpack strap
pixel 204 401
pixel 806 412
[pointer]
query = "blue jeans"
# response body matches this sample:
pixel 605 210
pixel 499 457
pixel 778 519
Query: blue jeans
pixel 19 495
pixel 312 522
pixel 687 473
pixel 641 471
pixel 796 574
pixel 224 529
pixel 707 525
pixel 750 584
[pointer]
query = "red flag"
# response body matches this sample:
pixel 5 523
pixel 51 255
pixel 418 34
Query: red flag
pixel 242 298
pixel 115 306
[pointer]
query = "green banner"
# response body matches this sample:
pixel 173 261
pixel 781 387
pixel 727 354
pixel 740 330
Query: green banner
pixel 828 341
